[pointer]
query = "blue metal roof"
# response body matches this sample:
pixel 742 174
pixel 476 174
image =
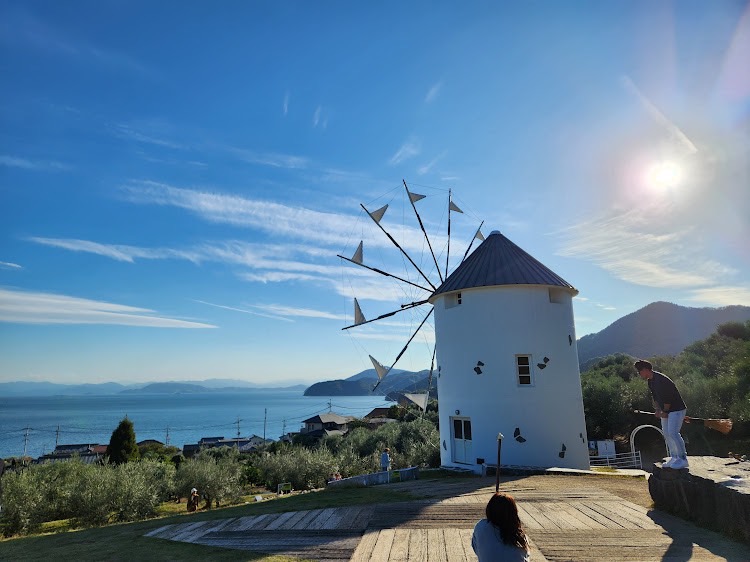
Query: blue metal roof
pixel 498 261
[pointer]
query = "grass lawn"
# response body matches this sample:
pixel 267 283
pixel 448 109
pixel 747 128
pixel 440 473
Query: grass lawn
pixel 126 541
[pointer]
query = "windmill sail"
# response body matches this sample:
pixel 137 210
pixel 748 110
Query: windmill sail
pixel 379 369
pixel 479 235
pixel 414 197
pixel 359 318
pixel 377 215
pixel 357 257
pixel 454 207
pixel 419 399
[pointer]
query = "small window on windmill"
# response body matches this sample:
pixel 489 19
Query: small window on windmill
pixel 452 300
pixel 523 368
pixel 556 295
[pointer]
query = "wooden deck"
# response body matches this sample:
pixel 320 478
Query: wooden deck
pixel 574 524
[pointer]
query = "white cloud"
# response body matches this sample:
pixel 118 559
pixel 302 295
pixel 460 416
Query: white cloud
pixel 721 296
pixel 409 149
pixel 129 133
pixel 285 105
pixel 272 159
pixel 245 311
pixel 282 310
pixel 116 251
pixel 422 170
pixel 22 307
pixel 679 139
pixel 23 28
pixel 433 92
pixel 643 251
pixel 316 116
pixel 9 265
pixel 26 164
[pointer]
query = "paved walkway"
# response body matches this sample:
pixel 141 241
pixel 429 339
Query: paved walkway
pixel 584 523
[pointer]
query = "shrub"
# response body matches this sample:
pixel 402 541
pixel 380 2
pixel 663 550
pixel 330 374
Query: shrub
pixel 217 480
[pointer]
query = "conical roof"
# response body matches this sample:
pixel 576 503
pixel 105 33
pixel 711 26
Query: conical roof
pixel 498 261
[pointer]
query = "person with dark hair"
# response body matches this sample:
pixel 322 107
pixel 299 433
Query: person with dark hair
pixel 670 408
pixel 500 537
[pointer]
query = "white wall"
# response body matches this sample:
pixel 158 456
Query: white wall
pixel 493 325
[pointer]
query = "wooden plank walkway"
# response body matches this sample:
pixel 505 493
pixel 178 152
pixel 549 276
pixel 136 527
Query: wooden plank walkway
pixel 583 523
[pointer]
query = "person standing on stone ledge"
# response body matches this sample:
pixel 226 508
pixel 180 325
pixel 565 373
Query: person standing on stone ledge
pixel 670 408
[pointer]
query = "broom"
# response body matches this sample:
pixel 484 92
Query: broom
pixel 721 425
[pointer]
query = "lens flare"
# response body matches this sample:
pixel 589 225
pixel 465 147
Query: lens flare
pixel 664 174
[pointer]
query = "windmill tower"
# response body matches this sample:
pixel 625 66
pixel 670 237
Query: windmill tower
pixel 508 362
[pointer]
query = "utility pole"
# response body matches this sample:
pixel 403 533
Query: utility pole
pixel 265 417
pixel 166 440
pixel 238 432
pixel 329 406
pixel 25 439
pixel 283 431
pixel 57 436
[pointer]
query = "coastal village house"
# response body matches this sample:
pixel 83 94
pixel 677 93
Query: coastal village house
pixel 244 444
pixel 325 424
pixel 508 363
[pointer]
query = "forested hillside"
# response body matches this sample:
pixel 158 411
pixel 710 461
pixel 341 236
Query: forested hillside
pixel 661 328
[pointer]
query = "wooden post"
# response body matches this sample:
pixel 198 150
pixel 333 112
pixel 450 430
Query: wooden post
pixel 497 470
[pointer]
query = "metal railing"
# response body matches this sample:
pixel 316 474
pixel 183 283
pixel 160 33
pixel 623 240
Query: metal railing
pixel 631 459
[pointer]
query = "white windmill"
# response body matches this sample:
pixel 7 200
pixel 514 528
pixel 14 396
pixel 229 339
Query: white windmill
pixel 506 355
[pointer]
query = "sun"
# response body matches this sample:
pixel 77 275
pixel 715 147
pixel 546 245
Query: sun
pixel 664 174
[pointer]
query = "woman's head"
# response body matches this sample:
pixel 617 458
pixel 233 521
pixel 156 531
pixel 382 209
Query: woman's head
pixel 502 512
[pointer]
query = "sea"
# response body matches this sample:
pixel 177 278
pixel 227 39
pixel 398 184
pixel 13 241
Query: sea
pixel 34 425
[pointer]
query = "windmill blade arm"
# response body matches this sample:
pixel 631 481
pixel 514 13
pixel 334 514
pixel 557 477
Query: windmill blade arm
pixel 393 241
pixel 388 314
pixel 403 350
pixel 466 253
pixel 427 238
pixel 381 272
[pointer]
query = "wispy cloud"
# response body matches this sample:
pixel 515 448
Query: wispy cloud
pixel 722 295
pixel 409 149
pixel 641 251
pixel 129 132
pixel 316 116
pixel 119 252
pixel 23 28
pixel 9 265
pixel 654 252
pixel 25 163
pixel 285 105
pixel 273 159
pixel 433 92
pixel 288 311
pixel 245 311
pixel 425 168
pixel 678 138
pixel 22 307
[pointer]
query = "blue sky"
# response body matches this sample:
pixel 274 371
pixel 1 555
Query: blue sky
pixel 176 179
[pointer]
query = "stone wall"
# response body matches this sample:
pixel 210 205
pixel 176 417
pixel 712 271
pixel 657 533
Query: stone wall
pixel 714 493
pixel 375 478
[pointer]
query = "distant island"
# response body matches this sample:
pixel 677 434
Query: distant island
pixel 21 388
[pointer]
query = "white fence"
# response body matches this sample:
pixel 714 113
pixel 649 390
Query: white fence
pixel 620 460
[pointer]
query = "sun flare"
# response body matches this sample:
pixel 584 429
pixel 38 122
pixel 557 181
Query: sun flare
pixel 664 174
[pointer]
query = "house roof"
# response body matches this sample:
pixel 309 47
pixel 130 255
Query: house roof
pixel 498 261
pixel 329 418
pixel 378 413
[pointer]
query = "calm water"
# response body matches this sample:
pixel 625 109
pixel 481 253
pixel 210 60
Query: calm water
pixel 91 419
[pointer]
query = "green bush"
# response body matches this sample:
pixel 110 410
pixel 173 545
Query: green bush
pixel 22 500
pixel 304 468
pixel 216 474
